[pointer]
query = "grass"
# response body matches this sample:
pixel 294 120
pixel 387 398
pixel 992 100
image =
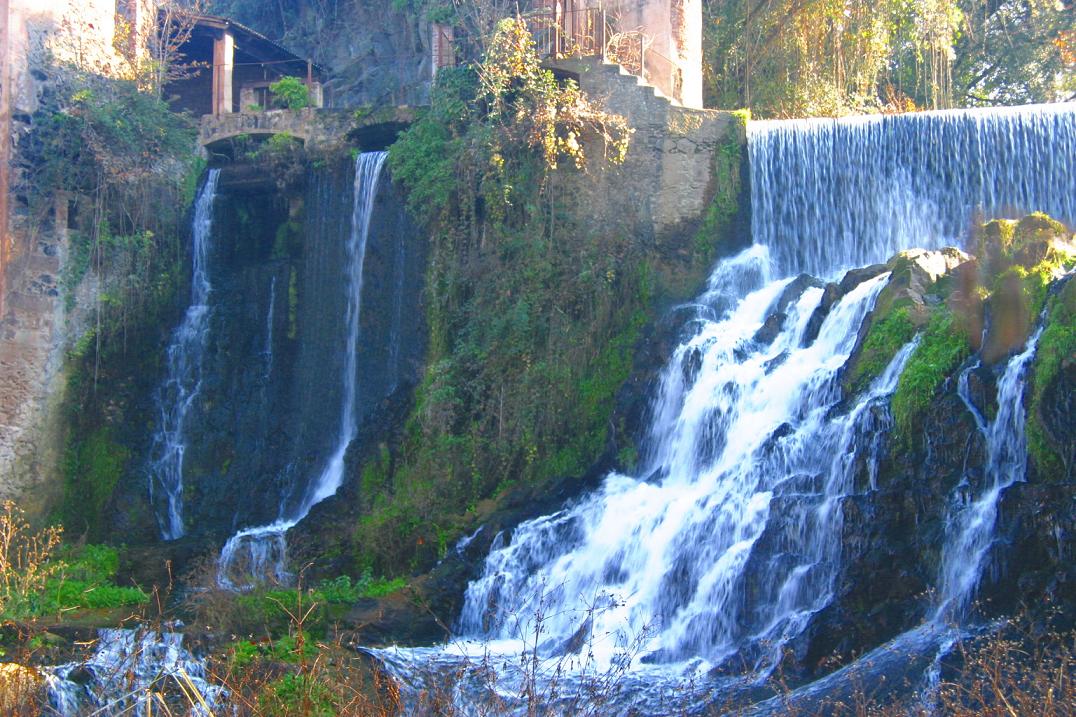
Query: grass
pixel 942 348
pixel 884 338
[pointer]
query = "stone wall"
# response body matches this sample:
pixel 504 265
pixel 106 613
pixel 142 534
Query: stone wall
pixel 34 327
pixel 667 180
pixel 318 128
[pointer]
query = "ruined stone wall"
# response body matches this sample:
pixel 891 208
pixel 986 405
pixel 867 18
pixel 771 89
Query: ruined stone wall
pixel 35 330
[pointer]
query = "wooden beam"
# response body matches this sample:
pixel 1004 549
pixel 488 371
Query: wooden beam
pixel 223 70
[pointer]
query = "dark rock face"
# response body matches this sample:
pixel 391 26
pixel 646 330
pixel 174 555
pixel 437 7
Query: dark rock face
pixel 375 53
pixel 269 409
pixel 895 527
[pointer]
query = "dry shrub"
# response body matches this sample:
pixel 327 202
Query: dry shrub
pixel 24 559
pixel 1013 673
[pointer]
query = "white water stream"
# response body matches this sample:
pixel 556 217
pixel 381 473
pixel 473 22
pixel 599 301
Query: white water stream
pixel 177 394
pixel 259 553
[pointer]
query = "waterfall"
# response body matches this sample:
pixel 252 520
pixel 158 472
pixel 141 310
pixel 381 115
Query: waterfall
pixel 177 394
pixel 970 524
pixel 726 541
pixel 831 194
pixel 260 552
pixel 267 350
pixel 746 437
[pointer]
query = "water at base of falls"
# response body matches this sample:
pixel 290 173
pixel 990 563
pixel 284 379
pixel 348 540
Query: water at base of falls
pixel 132 673
pixel 259 554
pixel 176 396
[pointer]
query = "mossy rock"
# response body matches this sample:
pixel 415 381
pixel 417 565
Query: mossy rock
pixel 1051 413
pixel 994 241
pixel 93 467
pixel 943 347
pixel 1035 236
pixel 903 308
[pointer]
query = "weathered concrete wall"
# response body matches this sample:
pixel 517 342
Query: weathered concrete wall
pixel 34 336
pixel 667 180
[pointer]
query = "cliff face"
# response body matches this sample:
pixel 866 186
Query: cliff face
pixel 266 409
pixel 377 52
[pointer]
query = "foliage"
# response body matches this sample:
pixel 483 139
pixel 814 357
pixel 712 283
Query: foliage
pixel 1015 52
pixel 482 120
pixel 40 576
pixel 819 57
pixel 291 92
pixel 25 561
pixel 343 590
pixel 527 107
pixel 297 694
pixel 941 349
pixel 886 335
pixel 425 157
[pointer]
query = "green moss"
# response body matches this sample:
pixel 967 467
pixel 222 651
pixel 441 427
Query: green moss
pixel 723 208
pixel 286 241
pixel 293 304
pixel 941 349
pixel 92 468
pixel 375 474
pixel 884 338
pixel 1056 346
pixel 1036 228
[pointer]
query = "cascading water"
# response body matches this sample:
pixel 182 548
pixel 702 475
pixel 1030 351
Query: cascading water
pixel 267 351
pixel 971 520
pixel 832 194
pixel 129 673
pixel 727 541
pixel 260 552
pixel 177 394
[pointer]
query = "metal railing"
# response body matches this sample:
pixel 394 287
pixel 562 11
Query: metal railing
pixel 572 32
pixel 562 30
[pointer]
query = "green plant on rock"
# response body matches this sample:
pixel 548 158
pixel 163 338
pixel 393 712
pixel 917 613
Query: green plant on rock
pixel 1056 349
pixel 886 335
pixel 941 349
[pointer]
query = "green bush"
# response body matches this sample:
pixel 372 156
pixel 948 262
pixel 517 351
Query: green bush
pixel 291 92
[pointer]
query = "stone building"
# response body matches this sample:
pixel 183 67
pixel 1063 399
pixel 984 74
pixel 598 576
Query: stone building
pixel 233 68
